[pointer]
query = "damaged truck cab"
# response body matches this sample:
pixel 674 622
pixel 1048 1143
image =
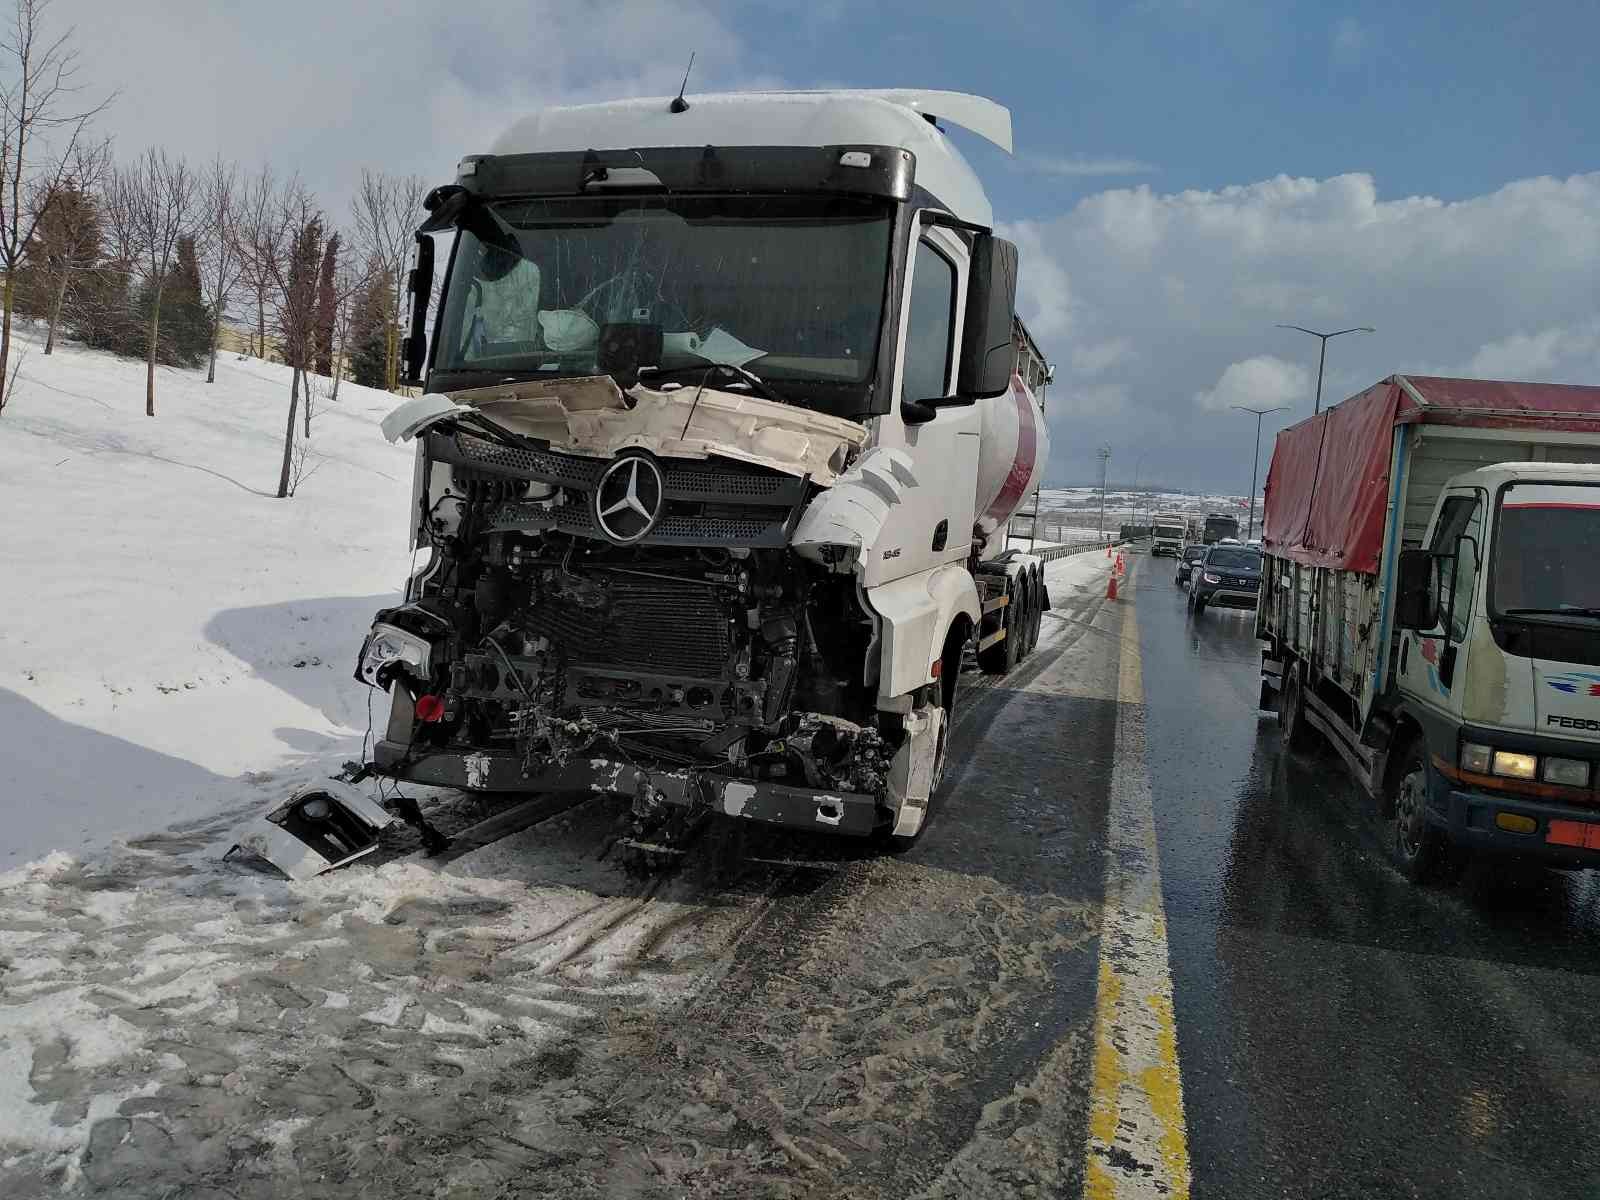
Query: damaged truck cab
pixel 726 409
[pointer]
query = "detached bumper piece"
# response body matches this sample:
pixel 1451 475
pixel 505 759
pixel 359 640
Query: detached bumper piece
pixel 851 813
pixel 320 828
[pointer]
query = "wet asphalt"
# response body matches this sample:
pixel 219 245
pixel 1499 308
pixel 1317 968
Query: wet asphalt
pixel 1342 1033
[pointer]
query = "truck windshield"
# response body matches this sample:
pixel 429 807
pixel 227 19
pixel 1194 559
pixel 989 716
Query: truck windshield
pixel 788 287
pixel 1547 551
pixel 1169 531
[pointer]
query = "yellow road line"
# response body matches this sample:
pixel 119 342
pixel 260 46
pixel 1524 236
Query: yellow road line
pixel 1138 1145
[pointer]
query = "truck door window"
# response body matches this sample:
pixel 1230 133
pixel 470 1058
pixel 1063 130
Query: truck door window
pixel 929 325
pixel 1461 515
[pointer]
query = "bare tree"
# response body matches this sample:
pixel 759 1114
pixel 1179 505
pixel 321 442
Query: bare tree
pixel 150 206
pixel 350 278
pixel 68 229
pixel 222 263
pixel 388 209
pixel 288 253
pixel 39 104
pixel 254 228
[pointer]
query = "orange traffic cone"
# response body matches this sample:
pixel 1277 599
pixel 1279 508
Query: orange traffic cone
pixel 1122 566
pixel 1108 549
pixel 1111 586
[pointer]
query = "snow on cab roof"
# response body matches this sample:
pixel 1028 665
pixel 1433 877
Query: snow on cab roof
pixel 887 117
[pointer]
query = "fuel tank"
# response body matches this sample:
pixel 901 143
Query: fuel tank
pixel 1013 447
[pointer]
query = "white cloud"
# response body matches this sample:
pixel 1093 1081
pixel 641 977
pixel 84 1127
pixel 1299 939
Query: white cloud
pixel 1076 166
pixel 1259 382
pixel 1561 354
pixel 1099 357
pixel 326 89
pixel 1194 282
pixel 1044 293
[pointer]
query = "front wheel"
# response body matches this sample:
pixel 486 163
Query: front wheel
pixel 1417 849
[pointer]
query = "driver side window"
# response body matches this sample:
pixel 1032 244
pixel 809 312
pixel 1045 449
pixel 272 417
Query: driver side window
pixel 1460 516
pixel 929 325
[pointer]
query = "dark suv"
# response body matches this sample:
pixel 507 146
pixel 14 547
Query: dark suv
pixel 1191 555
pixel 1228 577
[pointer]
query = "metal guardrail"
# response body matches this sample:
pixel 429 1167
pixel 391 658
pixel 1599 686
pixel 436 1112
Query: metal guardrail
pixel 1051 553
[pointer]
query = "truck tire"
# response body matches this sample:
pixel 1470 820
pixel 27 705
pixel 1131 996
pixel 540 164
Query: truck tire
pixel 1298 735
pixel 1419 851
pixel 1001 657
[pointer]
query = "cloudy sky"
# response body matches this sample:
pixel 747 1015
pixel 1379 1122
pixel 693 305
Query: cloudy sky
pixel 1188 172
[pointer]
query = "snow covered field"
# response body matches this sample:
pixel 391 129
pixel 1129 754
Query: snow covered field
pixel 176 640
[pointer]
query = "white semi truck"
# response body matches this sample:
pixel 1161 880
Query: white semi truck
pixel 723 422
pixel 1167 534
pixel 1430 602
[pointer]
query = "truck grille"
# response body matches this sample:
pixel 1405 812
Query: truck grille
pixel 660 627
pixel 713 503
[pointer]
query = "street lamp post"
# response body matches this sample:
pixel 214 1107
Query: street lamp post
pixel 1105 457
pixel 1255 463
pixel 1322 357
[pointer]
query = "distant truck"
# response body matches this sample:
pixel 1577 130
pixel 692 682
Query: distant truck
pixel 1431 605
pixel 1166 534
pixel 1219 526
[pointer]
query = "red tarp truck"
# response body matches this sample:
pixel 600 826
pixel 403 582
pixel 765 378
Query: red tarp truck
pixel 1431 605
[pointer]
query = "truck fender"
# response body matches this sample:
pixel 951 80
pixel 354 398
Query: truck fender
pixel 916 614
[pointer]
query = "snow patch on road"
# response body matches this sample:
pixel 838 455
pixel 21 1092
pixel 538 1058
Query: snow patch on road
pixel 160 1008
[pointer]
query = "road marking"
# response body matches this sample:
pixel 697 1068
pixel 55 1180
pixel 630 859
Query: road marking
pixel 1138 1145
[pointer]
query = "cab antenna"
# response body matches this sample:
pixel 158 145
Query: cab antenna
pixel 679 104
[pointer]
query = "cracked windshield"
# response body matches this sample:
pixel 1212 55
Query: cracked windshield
pixel 670 600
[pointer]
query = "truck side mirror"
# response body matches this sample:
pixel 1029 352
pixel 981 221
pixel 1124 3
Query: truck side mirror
pixel 420 286
pixel 1417 606
pixel 988 355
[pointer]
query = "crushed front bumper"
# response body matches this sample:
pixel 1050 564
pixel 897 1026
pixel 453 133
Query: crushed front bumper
pixel 851 813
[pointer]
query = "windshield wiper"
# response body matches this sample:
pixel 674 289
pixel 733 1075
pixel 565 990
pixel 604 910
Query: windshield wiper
pixel 707 369
pixel 1551 612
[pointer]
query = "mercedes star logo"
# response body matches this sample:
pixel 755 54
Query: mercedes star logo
pixel 627 503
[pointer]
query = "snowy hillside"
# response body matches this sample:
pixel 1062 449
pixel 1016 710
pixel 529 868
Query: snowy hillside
pixel 168 624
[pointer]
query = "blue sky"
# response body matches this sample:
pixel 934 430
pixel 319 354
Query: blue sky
pixel 1188 171
pixel 1447 100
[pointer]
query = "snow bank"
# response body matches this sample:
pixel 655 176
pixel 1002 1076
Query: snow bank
pixel 169 624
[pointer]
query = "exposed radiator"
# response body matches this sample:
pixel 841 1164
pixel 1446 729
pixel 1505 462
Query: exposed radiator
pixel 674 629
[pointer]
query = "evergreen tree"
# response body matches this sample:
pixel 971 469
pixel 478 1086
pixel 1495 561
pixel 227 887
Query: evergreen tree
pixel 101 314
pixel 327 307
pixel 65 245
pixel 185 319
pixel 368 329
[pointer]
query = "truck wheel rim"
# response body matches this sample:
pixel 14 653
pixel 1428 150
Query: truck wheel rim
pixel 1408 816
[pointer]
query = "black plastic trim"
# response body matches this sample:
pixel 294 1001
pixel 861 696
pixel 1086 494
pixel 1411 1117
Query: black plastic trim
pixel 721 169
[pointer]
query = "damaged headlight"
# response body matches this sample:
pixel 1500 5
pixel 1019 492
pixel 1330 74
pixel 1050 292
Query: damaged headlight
pixel 388 649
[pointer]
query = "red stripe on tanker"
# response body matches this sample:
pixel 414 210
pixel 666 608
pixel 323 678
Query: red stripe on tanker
pixel 1011 455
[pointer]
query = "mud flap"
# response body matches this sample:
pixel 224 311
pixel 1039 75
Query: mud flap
pixel 319 828
pixel 1271 682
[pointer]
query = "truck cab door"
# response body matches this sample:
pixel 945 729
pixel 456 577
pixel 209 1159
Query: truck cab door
pixel 933 523
pixel 1433 663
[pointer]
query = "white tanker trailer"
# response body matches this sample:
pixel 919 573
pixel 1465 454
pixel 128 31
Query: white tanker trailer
pixel 725 413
